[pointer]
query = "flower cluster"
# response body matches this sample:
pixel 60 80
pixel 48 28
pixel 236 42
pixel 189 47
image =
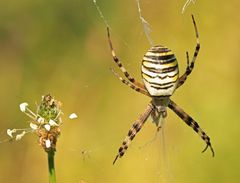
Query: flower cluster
pixel 45 123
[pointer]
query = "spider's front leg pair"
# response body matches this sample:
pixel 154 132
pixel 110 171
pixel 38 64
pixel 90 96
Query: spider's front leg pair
pixel 190 67
pixel 131 82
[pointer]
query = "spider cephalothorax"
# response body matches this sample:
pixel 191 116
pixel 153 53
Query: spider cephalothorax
pixel 161 78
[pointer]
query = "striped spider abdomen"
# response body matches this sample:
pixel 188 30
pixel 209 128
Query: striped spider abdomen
pixel 160 71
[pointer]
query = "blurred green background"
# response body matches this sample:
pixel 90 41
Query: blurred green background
pixel 60 47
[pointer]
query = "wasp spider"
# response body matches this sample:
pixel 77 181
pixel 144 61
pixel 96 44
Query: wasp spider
pixel 161 78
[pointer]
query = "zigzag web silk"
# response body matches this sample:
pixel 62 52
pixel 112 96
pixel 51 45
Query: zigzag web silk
pixel 146 25
pixel 162 167
pixel 162 170
pixel 106 22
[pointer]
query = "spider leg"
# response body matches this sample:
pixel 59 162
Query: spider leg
pixel 190 67
pixel 134 130
pixel 118 62
pixel 192 123
pixel 136 88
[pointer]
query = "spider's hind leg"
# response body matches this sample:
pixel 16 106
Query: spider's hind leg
pixel 134 130
pixel 192 123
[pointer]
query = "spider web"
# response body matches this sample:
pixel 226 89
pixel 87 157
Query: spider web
pixel 163 167
pixel 106 22
pixel 187 3
pixel 162 170
pixel 101 14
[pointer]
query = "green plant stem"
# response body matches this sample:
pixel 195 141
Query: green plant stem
pixel 51 168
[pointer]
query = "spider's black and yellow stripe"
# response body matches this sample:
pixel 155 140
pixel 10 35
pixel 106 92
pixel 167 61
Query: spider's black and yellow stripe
pixel 160 71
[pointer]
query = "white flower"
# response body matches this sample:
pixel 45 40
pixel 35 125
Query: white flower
pixel 10 132
pixel 73 116
pixel 47 127
pixel 40 120
pixel 52 123
pixel 23 106
pixel 19 136
pixel 33 126
pixel 48 143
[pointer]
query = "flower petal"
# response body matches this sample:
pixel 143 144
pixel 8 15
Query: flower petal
pixel 10 133
pixel 33 126
pixel 73 116
pixel 23 106
pixel 47 127
pixel 19 136
pixel 52 123
pixel 40 120
pixel 48 143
